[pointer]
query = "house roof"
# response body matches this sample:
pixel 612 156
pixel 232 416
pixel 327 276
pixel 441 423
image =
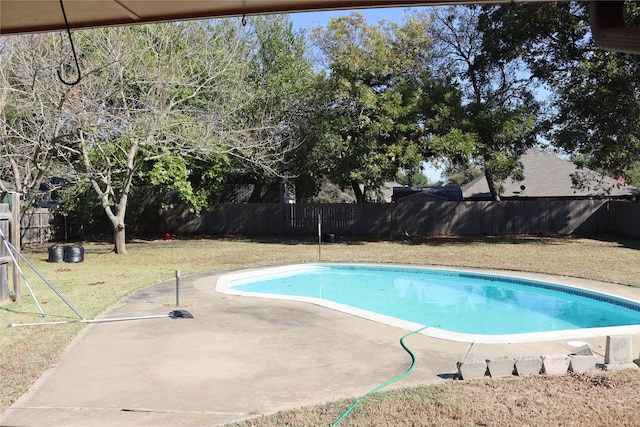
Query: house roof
pixel 421 194
pixel 548 176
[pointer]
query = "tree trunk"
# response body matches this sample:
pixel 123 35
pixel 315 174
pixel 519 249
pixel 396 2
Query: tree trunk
pixel 357 191
pixel 119 237
pixel 256 194
pixel 162 222
pixel 493 188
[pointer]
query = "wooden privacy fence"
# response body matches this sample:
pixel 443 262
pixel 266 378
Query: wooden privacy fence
pixel 421 218
pixel 624 218
pixel 9 224
pixel 388 220
pixel 37 226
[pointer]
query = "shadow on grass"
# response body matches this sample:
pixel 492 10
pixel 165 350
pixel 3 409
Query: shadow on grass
pixel 627 242
pixel 415 240
pixel 313 240
pixel 419 240
pixel 486 239
pixel 412 240
pixel 511 239
pixel 8 309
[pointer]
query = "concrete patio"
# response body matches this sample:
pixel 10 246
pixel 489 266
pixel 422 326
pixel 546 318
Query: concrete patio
pixel 237 358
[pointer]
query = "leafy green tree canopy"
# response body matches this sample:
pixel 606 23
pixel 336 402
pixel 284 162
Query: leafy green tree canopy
pixel 496 118
pixel 369 124
pixel 595 93
pixel 280 77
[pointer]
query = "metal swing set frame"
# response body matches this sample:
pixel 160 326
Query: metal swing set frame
pixel 175 314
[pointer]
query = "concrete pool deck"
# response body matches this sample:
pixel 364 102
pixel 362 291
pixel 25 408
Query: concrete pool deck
pixel 240 357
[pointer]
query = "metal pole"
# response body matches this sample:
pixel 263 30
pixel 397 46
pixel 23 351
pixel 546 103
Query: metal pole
pixel 14 236
pixel 40 234
pixel 24 278
pixel 177 288
pixel 41 276
pixel 117 319
pixel 319 236
pixel 176 314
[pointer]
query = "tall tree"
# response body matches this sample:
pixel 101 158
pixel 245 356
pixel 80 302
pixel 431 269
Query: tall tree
pixel 498 110
pixel 31 126
pixel 279 77
pixel 596 93
pixel 148 93
pixel 369 124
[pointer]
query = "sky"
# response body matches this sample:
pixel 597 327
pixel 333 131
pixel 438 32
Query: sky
pixel 302 20
pixel 373 16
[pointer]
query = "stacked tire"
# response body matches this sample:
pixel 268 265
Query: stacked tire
pixel 73 254
pixel 66 254
pixel 56 253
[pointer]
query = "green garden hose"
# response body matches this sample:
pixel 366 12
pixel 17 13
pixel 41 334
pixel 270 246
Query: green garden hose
pixel 380 387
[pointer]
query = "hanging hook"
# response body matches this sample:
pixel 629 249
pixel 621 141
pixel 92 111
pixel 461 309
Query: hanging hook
pixel 244 20
pixel 73 49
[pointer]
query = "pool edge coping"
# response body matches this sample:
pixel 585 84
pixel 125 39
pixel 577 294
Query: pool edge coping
pixel 222 286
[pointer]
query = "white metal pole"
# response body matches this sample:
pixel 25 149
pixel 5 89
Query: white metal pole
pixel 24 278
pixel 64 322
pixel 319 236
pixel 44 279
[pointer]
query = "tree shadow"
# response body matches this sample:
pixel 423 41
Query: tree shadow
pixel 411 240
pixel 623 241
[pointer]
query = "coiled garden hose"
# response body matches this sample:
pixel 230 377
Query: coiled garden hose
pixel 380 387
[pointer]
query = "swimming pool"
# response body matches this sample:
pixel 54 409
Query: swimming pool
pixel 457 305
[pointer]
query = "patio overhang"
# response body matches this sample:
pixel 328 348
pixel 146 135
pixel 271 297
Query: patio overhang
pixel 30 16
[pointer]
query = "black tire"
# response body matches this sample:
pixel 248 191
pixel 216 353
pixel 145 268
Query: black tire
pixel 73 254
pixel 56 253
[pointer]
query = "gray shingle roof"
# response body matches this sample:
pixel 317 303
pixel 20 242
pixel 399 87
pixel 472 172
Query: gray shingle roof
pixel 422 194
pixel 548 176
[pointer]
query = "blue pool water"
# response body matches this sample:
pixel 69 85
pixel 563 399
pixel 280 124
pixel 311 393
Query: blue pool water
pixel 461 302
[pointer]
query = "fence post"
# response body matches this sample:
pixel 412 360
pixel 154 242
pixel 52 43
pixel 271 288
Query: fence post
pixel 40 226
pixel 14 238
pixel 391 206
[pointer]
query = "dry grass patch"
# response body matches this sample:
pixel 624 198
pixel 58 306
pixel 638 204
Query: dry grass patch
pixel 596 398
